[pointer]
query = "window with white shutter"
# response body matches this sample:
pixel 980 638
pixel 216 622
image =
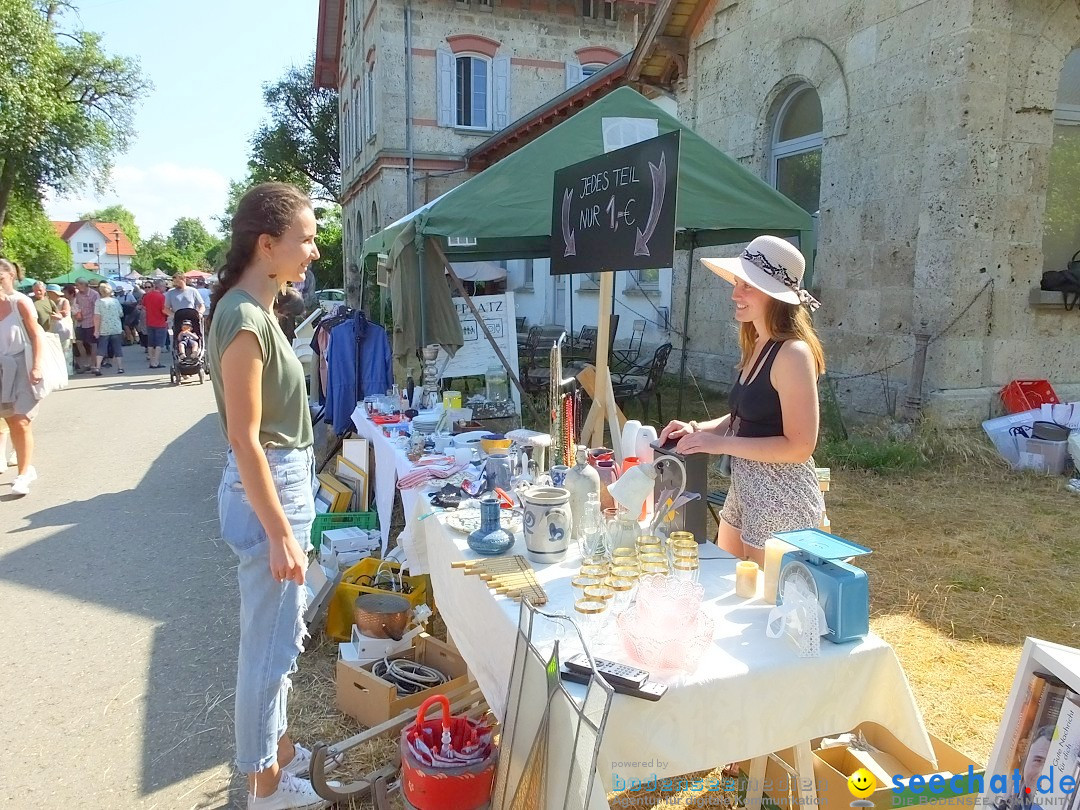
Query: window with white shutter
pixel 574 74
pixel 372 119
pixel 446 96
pixel 500 70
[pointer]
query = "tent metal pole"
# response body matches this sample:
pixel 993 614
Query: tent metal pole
pixel 686 323
pixel 420 283
pixel 511 372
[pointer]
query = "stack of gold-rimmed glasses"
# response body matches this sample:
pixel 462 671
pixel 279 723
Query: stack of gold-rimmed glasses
pixel 683 553
pixel 652 557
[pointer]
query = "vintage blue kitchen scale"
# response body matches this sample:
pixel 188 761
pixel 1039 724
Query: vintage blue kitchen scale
pixel 818 565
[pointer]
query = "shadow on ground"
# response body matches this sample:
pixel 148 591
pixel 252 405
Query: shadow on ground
pixel 153 552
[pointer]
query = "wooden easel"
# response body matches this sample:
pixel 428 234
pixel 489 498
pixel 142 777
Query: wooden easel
pixel 603 408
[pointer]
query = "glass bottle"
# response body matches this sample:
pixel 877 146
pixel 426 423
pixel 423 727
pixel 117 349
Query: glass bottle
pixel 593 542
pixel 621 529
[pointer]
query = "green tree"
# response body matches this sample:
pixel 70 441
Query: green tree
pixel 329 269
pixel 148 253
pixel 299 143
pixel 121 216
pixel 66 107
pixel 190 238
pixel 30 239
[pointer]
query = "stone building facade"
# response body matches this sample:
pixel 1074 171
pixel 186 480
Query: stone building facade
pixel 465 68
pixel 940 143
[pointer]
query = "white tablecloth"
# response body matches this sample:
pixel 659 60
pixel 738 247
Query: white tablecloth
pixel 391 463
pixel 750 696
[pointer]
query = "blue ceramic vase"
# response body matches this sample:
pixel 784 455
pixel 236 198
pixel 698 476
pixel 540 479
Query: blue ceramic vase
pixel 491 538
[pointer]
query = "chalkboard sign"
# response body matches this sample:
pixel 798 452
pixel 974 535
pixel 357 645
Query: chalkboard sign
pixel 617 211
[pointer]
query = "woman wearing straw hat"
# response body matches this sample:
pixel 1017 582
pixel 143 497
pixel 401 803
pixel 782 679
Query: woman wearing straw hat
pixel 772 429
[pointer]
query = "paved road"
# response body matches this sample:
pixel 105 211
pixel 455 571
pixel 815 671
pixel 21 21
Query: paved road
pixel 118 605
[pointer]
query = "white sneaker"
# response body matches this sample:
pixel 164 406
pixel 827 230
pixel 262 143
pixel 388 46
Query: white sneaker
pixel 301 762
pixel 21 484
pixel 292 793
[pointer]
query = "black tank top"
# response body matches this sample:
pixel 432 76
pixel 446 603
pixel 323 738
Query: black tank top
pixel 755 405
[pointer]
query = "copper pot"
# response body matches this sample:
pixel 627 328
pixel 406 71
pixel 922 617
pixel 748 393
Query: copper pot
pixel 381 615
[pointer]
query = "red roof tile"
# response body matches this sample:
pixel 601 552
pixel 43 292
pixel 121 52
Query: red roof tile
pixel 107 230
pixel 66 230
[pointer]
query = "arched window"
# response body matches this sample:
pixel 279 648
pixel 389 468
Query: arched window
pixel 473 91
pixel 795 151
pixel 1061 224
pixel 374 224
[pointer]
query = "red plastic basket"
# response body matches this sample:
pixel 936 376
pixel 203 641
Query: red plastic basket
pixel 1023 395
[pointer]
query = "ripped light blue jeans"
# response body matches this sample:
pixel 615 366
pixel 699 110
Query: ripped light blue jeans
pixel 272 627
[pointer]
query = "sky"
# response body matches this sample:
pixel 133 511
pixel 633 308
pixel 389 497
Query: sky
pixel 208 60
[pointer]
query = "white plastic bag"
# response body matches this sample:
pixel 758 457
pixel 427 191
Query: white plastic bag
pixel 801 618
pixel 1009 432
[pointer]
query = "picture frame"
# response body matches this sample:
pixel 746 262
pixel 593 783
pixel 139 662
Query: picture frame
pixel 331 495
pixel 357 452
pixel 357 480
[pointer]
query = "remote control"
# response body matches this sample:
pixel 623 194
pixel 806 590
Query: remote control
pixel 650 690
pixel 614 673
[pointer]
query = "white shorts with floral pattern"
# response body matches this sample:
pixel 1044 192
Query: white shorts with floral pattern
pixel 767 498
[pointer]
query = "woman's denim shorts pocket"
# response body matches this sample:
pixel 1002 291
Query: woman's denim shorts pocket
pixel 293 474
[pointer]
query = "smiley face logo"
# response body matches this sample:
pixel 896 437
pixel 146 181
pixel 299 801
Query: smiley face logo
pixel 861 783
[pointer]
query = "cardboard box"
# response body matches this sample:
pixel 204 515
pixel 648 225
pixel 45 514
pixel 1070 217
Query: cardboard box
pixel 371 700
pixel 779 790
pixel 833 766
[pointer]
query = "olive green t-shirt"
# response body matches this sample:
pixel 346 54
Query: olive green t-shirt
pixel 286 421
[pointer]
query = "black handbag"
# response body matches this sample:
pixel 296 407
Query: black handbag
pixel 1066 281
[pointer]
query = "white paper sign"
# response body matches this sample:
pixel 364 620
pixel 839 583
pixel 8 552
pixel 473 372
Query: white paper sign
pixel 476 354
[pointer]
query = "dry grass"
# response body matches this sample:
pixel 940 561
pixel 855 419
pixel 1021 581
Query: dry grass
pixel 969 558
pixel 967 562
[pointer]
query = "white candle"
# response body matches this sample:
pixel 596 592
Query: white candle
pixel 746 579
pixel 775 549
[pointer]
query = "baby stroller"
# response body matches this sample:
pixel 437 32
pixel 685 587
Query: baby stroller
pixel 184 365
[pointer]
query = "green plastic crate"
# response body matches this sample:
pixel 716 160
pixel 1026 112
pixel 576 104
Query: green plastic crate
pixel 341 520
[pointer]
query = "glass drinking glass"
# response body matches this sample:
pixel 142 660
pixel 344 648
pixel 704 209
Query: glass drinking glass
pixel 625 572
pixel 580 583
pixel 685 568
pixel 649 544
pixel 648 568
pixel 622 557
pixel 602 592
pixel 623 588
pixel 590 614
pixel 659 559
pixel 593 569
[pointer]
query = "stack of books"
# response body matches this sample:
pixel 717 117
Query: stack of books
pixel 1042 755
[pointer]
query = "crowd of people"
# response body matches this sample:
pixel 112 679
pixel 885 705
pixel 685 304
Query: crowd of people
pixel 95 324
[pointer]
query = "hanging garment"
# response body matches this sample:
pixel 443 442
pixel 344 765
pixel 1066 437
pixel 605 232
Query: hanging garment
pixel 359 365
pixel 441 323
pixel 320 340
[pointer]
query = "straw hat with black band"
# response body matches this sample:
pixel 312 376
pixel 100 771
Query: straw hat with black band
pixel 772 265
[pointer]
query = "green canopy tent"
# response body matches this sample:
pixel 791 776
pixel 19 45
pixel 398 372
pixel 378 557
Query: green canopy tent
pixel 505 211
pixel 78 275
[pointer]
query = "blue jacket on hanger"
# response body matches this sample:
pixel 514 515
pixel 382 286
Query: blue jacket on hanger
pixel 358 365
